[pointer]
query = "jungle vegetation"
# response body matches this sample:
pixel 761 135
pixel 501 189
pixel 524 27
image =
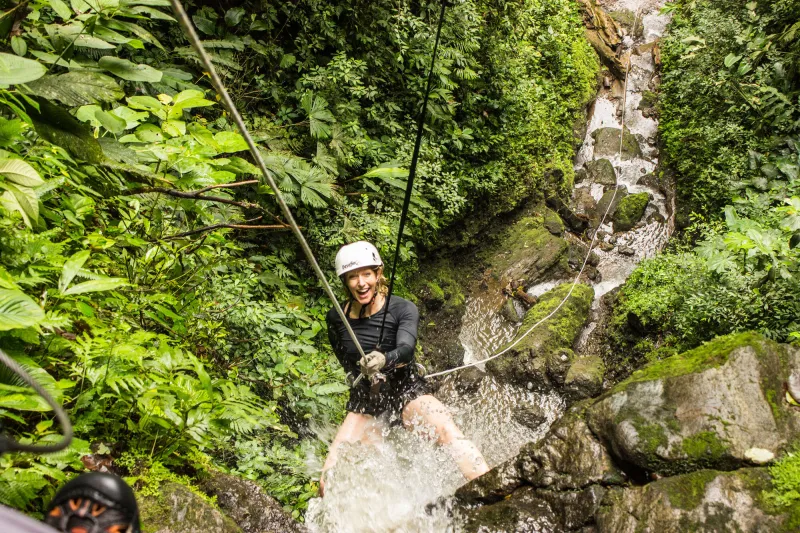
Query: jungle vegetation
pixel 146 275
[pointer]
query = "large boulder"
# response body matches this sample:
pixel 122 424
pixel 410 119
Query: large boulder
pixel 527 250
pixel 606 143
pixel 705 501
pixel 630 211
pixel 537 356
pixel 249 506
pixel 601 172
pixel 179 510
pixel 608 204
pixel 719 406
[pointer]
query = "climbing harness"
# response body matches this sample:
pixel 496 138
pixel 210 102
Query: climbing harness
pixel 588 254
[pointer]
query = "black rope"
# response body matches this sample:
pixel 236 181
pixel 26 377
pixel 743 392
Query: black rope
pixel 10 445
pixel 412 172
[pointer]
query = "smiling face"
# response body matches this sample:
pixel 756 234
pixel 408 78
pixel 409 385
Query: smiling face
pixel 362 283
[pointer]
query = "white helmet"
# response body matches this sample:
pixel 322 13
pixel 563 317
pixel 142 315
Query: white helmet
pixel 357 255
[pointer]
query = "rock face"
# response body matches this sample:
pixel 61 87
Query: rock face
pixel 543 357
pixel 630 211
pixel 529 251
pixel 606 143
pixel 701 501
pixel 608 204
pixel 253 510
pixel 179 510
pixel 692 417
pixel 705 408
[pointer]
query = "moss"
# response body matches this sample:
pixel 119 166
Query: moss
pixel 687 491
pixel 630 210
pixel 557 333
pixel 710 355
pixel 553 222
pixel 649 99
pixel 522 239
pixel 651 436
pixel 704 447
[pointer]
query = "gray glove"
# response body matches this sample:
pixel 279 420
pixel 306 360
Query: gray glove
pixel 372 363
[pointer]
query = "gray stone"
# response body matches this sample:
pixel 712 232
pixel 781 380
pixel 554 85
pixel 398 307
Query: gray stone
pixel 585 377
pixel 531 416
pixel 569 457
pixel 704 501
pixel 558 363
pixel 606 143
pixel 249 506
pixel 601 172
pixel 526 361
pixel 178 510
pixel 522 511
pixel 509 311
pixel 553 222
pixel 705 408
pixel 608 204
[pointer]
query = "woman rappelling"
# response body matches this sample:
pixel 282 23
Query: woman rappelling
pixel 385 380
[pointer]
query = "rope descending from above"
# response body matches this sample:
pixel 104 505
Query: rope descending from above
pixel 412 171
pixel 184 20
pixel 588 253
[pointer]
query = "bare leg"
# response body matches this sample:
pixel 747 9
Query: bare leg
pixel 433 414
pixel 356 427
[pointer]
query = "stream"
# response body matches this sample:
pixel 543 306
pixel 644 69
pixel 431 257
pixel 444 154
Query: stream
pixel 388 487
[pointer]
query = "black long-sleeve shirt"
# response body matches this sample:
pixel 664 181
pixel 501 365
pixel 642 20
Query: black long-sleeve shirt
pixel 399 336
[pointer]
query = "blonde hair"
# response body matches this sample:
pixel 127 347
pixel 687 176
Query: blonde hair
pixel 381 287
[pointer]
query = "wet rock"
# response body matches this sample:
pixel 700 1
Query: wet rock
pixel 608 204
pixel 569 457
pixel 558 363
pixel 526 361
pixel 492 486
pixel 531 416
pixel 585 377
pixel 583 200
pixel 630 211
pixel 627 250
pixel 656 217
pixel 468 381
pixel 580 175
pixel 705 408
pixel 178 510
pixel 606 143
pixel 647 105
pixel 509 312
pixel 575 222
pixel 601 172
pixel 522 511
pixel 603 34
pixel 253 510
pixel 553 222
pixel 627 20
pixel 574 509
pixel 702 501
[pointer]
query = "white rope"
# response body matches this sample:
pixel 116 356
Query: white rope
pixel 588 254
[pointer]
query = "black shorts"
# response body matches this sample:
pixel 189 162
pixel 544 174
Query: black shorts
pixel 402 386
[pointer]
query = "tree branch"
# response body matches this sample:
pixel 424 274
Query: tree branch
pixel 230 226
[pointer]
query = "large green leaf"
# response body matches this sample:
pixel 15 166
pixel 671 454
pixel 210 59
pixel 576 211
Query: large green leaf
pixel 128 70
pixel 15 69
pixel 96 285
pixel 57 126
pixel 77 88
pixel 26 201
pixel 18 310
pixel 71 268
pixel 20 172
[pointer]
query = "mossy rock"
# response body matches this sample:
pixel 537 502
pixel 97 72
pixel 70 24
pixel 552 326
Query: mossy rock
pixel 511 515
pixel 602 172
pixel 527 250
pixel 630 210
pixel 525 361
pixel 585 377
pixel 606 143
pixel 608 204
pixel 178 510
pixel 627 19
pixel 707 408
pixel 706 500
pixel 553 222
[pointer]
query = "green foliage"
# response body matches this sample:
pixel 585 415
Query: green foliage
pixel 785 474
pixel 730 123
pixel 145 275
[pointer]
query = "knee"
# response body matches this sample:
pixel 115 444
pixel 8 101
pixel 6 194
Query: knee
pixel 449 434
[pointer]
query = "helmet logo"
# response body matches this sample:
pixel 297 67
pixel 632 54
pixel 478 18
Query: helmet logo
pixel 349 265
